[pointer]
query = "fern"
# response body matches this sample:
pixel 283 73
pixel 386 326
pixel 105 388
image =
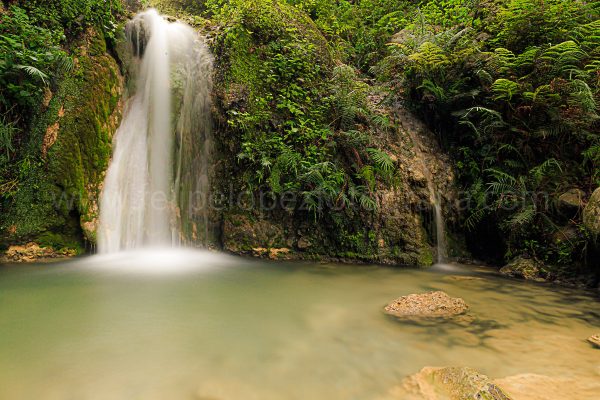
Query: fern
pixel 565 58
pixel 437 91
pixel 583 97
pixel 502 61
pixel 504 89
pixel 521 218
pixel 544 169
pixel 382 160
pixel 430 57
pixel 65 65
pixel 588 36
pixel 34 73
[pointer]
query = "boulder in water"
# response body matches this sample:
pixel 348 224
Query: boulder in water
pixel 426 305
pixel 595 340
pixel 456 383
pixel 525 268
pixel 591 213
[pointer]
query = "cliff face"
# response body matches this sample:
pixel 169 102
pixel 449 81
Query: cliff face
pixel 273 217
pixel 67 152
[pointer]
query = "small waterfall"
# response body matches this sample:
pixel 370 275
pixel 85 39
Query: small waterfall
pixel 440 230
pixel 156 187
pixel 435 200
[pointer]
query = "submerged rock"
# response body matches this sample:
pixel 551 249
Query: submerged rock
pixel 455 383
pixel 525 268
pixel 595 340
pixel 426 305
pixel 591 213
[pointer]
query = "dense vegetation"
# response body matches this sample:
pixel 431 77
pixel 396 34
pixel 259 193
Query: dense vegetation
pixel 511 88
pixel 53 52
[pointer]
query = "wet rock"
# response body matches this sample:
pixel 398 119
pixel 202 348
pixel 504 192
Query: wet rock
pixel 32 252
pixel 571 201
pixel 591 213
pixel 595 340
pixel 282 253
pixel 243 232
pixel 426 305
pixel 138 30
pixel 525 268
pixel 455 383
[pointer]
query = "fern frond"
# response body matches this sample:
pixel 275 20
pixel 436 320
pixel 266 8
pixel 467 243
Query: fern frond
pixel 382 160
pixel 34 73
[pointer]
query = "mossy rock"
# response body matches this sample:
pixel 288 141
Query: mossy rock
pixel 453 383
pixel 525 268
pixel 67 152
pixel 243 49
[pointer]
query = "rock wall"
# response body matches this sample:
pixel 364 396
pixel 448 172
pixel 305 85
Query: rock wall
pixel 399 230
pixel 66 154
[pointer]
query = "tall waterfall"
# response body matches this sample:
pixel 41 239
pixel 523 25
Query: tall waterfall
pixel 156 187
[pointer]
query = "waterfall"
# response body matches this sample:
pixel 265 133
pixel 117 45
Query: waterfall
pixel 156 188
pixel 440 229
pixel 435 200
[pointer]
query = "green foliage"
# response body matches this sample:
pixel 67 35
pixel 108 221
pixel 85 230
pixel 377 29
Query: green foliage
pixel 299 111
pixel 515 96
pixel 41 84
pixel 33 37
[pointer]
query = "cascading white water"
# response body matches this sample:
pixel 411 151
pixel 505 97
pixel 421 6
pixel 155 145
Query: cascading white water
pixel 145 200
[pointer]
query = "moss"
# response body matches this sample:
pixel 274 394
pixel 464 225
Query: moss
pixel 253 36
pixel 425 258
pixel 60 242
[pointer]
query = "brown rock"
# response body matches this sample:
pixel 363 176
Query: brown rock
pixel 50 137
pixel 571 201
pixel 591 213
pixel 279 253
pixel 303 243
pixel 525 268
pixel 426 305
pixel 595 340
pixel 449 383
pixel 31 252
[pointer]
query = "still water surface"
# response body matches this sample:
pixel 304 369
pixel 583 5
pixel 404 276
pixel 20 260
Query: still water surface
pixel 175 325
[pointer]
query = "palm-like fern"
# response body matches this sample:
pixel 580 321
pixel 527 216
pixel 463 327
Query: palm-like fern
pixel 34 73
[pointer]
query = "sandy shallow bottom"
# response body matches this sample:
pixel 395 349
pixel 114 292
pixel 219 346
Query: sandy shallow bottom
pixel 194 325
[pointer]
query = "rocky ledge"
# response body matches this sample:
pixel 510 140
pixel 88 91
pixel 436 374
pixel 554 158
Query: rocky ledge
pixel 426 305
pixel 32 252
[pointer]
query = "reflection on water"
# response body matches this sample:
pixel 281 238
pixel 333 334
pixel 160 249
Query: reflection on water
pixel 198 325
